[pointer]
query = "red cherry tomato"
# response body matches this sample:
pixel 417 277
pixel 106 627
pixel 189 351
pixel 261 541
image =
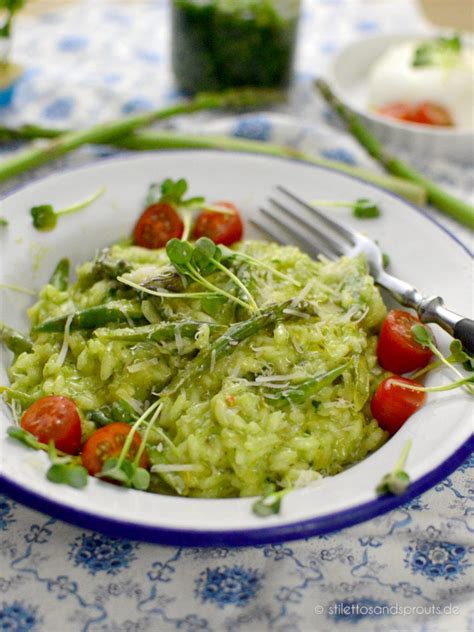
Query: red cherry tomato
pixel 392 404
pixel 221 228
pixel 397 349
pixel 107 443
pixel 428 113
pixel 425 113
pixel 157 225
pixel 398 110
pixel 54 418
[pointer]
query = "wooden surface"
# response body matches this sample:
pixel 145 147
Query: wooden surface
pixel 457 14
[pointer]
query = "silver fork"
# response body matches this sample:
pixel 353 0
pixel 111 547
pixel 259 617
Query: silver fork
pixel 335 239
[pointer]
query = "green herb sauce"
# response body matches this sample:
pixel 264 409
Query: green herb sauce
pixel 219 44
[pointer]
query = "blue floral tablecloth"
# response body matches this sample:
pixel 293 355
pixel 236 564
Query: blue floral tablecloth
pixel 411 569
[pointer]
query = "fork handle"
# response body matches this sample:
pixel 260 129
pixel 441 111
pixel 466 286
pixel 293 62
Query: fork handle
pixel 432 310
pixel 464 331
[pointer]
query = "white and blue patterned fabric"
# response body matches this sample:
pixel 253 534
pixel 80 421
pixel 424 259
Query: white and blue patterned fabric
pixel 409 570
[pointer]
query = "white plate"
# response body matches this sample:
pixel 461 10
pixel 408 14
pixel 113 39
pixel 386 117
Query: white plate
pixel 349 78
pixel 421 252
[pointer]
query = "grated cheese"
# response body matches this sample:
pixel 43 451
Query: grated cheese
pixel 138 366
pixel 65 346
pixel 295 312
pixel 164 468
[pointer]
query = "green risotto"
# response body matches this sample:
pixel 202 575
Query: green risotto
pixel 252 402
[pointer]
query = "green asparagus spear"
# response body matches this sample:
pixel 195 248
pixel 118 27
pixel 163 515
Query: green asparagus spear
pixel 60 277
pixel 109 132
pixel 102 417
pixel 118 411
pixel 169 280
pixel 227 342
pixel 105 267
pixel 160 331
pixel 162 140
pixel 14 340
pixel 94 317
pixel 299 393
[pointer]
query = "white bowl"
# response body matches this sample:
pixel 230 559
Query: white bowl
pixel 431 258
pixel 349 79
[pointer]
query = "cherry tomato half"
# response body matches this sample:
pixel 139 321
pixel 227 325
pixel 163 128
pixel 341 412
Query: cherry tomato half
pixel 392 404
pixel 221 228
pixel 107 443
pixel 428 113
pixel 399 110
pixel 397 349
pixel 54 418
pixel 425 113
pixel 157 225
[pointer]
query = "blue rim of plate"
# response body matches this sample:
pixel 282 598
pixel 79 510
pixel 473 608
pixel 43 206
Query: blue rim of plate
pixel 245 537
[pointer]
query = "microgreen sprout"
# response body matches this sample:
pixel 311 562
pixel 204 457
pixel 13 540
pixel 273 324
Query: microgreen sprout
pixel 365 209
pixel 227 253
pixel 361 208
pixel 26 438
pixel 65 469
pixel 441 51
pixel 213 303
pixel 45 218
pixel 465 381
pixel 17 288
pixel 269 505
pixel 460 356
pixel 203 258
pixel 121 469
pixel 424 337
pixel 397 481
pixel 172 192
pixel 164 294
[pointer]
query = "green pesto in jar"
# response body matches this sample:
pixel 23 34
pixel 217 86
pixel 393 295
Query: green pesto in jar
pixel 219 44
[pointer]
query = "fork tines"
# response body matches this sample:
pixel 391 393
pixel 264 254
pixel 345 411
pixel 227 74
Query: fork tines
pixel 298 222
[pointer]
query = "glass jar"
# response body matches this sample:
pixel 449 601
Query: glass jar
pixel 219 44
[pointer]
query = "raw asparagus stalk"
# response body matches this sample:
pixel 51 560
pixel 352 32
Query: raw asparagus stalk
pixel 157 332
pixel 441 199
pixel 109 132
pixel 169 140
pixel 93 317
pixel 14 341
